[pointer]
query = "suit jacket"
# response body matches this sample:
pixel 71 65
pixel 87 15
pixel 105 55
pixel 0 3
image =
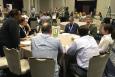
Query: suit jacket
pixel 71 28
pixel 93 30
pixel 9 33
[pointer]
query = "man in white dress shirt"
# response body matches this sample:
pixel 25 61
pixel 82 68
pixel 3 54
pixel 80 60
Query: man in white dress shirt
pixel 85 48
pixel 45 46
pixel 106 41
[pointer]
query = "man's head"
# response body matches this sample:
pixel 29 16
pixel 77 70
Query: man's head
pixel 15 14
pixel 24 12
pixel 83 30
pixel 46 28
pixel 106 28
pixel 71 19
pixel 22 21
pixel 88 19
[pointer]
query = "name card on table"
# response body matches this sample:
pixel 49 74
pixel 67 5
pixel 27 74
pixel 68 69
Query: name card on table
pixel 55 31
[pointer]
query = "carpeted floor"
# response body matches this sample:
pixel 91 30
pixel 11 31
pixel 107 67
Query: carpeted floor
pixel 7 73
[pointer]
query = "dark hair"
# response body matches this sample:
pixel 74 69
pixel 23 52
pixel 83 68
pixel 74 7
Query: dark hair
pixel 13 13
pixel 46 28
pixel 107 27
pixel 83 30
pixel 113 22
pixel 21 19
pixel 113 34
pixel 88 17
pixel 107 20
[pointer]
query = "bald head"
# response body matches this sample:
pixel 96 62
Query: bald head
pixel 71 19
pixel 88 19
pixel 46 28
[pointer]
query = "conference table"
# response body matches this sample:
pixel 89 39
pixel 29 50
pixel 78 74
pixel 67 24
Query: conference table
pixel 66 40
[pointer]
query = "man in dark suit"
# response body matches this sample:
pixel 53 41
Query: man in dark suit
pixel 9 32
pixel 71 27
pixel 92 27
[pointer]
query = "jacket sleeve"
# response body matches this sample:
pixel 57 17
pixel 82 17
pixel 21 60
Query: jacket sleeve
pixel 14 33
pixel 72 50
pixel 93 31
pixel 60 53
pixel 66 29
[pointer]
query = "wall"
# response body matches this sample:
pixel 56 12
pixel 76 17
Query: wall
pixel 112 5
pixel 1 2
pixel 45 5
pixel 70 4
pixel 58 3
pixel 102 6
pixel 37 5
pixel 27 6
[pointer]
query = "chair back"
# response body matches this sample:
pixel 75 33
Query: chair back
pixel 3 63
pixel 97 65
pixel 42 67
pixel 13 59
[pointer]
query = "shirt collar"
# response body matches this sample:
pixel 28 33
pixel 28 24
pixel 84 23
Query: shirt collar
pixel 20 25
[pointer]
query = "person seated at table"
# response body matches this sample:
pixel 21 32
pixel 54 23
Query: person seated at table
pixel 82 17
pixel 106 39
pixel 83 49
pixel 24 27
pixel 71 27
pixel 24 14
pixel 45 17
pixel 46 46
pixel 110 67
pixel 92 27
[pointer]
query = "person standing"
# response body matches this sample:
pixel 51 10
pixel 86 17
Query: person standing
pixel 9 32
pixel 66 14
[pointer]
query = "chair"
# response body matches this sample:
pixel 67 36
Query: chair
pixel 42 67
pixel 16 66
pixel 97 65
pixel 3 63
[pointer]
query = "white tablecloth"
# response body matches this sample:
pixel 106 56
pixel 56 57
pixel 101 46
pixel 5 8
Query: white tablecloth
pixel 66 39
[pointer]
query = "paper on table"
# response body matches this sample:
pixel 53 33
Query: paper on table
pixel 54 17
pixel 27 42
